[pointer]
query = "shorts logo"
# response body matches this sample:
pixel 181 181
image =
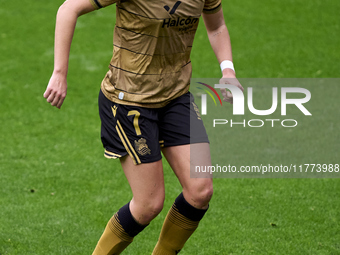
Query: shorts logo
pixel 197 111
pixel 141 147
pixel 114 110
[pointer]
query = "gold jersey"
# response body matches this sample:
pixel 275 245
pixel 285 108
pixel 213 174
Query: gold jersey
pixel 151 49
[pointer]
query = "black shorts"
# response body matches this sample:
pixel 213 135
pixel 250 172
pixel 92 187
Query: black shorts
pixel 141 132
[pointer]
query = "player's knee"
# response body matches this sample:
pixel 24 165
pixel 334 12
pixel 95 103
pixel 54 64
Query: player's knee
pixel 155 205
pixel 153 210
pixel 150 208
pixel 201 195
pixel 204 196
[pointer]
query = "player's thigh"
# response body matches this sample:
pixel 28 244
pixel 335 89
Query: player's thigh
pixel 183 159
pixel 147 184
pixel 146 180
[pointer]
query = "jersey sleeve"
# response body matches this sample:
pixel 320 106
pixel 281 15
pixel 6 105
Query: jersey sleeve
pixel 212 6
pixel 102 3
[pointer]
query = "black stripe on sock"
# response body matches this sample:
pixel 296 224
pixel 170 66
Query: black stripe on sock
pixel 128 222
pixel 188 210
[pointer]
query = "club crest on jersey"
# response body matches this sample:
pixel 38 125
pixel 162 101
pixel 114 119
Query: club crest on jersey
pixel 141 147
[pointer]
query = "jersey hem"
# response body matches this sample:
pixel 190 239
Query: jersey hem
pixel 110 97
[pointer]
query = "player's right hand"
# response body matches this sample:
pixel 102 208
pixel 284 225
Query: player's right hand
pixel 229 77
pixel 56 90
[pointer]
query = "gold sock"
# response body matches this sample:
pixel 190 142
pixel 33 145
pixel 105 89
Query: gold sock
pixel 114 239
pixel 177 227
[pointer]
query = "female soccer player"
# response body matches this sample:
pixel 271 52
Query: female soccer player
pixel 146 109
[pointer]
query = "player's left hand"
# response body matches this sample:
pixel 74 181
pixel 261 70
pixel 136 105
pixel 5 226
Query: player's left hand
pixel 229 77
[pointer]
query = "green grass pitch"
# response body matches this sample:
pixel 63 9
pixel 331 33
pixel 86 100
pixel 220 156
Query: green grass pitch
pixel 57 191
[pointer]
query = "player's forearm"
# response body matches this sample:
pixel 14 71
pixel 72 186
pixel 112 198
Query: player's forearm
pixel 65 25
pixel 67 16
pixel 218 36
pixel 68 13
pixel 220 43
